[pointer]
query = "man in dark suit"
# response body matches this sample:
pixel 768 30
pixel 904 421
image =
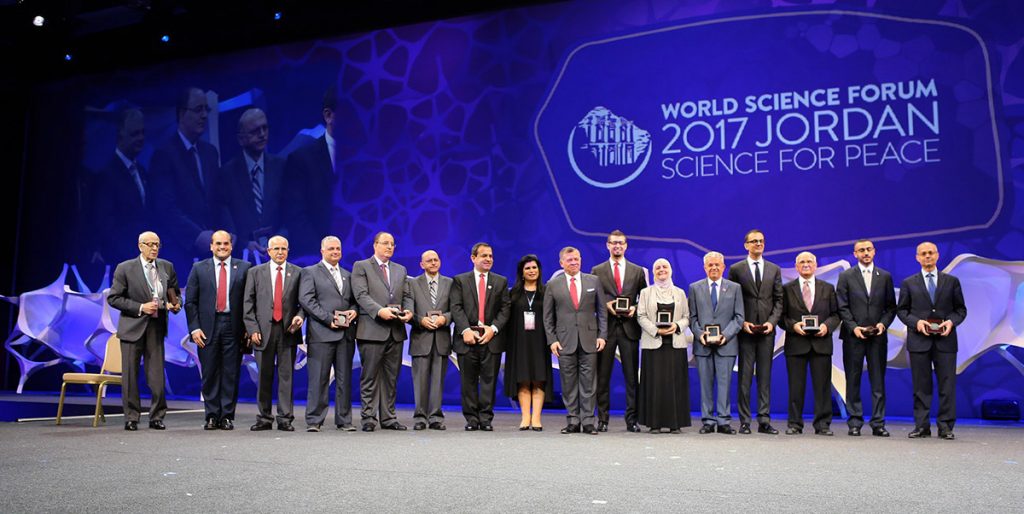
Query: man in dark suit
pixel 273 319
pixel 715 301
pixel 807 296
pixel 619 278
pixel 121 197
pixel 430 341
pixel 184 173
pixel 761 284
pixel 576 326
pixel 326 294
pixel 143 291
pixel 385 305
pixel 932 305
pixel 253 184
pixel 480 306
pixel 313 181
pixel 867 306
pixel 214 306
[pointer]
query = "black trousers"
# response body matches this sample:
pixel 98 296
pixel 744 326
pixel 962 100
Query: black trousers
pixel 921 364
pixel 221 361
pixel 381 361
pixel 479 371
pixel 855 351
pixel 150 350
pixel 821 385
pixel 755 357
pixel 280 357
pixel 629 353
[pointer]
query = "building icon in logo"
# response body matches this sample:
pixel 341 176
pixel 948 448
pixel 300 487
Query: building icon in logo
pixel 606 150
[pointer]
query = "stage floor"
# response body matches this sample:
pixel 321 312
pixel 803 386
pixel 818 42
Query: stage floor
pixel 75 467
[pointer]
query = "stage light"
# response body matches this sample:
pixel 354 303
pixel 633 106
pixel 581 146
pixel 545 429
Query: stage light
pixel 165 38
pixel 67 57
pixel 38 21
pixel 277 16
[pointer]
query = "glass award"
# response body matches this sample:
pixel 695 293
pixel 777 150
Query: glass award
pixel 810 323
pixel 621 305
pixel 713 333
pixel 934 327
pixel 340 319
pixel 664 319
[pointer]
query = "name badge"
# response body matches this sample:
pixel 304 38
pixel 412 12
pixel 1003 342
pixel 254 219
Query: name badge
pixel 529 321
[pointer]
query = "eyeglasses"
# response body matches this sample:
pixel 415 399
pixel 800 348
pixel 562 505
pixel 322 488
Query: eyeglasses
pixel 200 109
pixel 617 243
pixel 150 244
pixel 279 249
pixel 755 242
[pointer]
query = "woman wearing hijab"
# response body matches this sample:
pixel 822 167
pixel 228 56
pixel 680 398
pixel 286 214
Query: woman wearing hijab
pixel 528 361
pixel 664 370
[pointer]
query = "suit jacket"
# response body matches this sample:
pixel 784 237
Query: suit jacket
pixel 566 324
pixel 825 306
pixel 372 294
pixel 186 205
pixel 258 311
pixel 915 305
pixel 320 297
pixel 201 301
pixel 633 281
pixel 465 308
pixel 858 309
pixel 241 202
pixel 646 316
pixel 728 316
pixel 764 305
pixel 120 212
pixel 310 192
pixel 130 290
pixel 422 340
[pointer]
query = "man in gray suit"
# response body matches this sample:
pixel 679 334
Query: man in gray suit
pixel 144 290
pixel 326 294
pixel 430 341
pixel 576 325
pixel 715 302
pixel 273 319
pixel 385 305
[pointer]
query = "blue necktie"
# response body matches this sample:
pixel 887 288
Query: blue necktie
pixel 931 287
pixel 714 296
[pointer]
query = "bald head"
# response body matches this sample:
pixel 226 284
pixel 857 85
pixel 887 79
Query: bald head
pixel 430 262
pixel 253 132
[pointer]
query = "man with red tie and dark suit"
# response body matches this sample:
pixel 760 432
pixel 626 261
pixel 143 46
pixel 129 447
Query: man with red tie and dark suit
pixel 931 304
pixel 214 304
pixel 480 306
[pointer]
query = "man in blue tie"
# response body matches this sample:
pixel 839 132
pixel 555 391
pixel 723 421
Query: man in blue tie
pixel 931 304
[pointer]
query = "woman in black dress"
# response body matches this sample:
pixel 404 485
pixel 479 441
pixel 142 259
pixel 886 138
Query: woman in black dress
pixel 664 369
pixel 528 361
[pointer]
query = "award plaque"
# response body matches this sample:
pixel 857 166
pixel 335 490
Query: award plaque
pixel 340 319
pixel 621 305
pixel 479 329
pixel 395 309
pixel 870 331
pixel 712 333
pixel 664 319
pixel 810 323
pixel 434 315
pixel 934 327
pixel 759 329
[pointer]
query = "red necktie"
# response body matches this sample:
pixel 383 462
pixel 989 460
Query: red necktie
pixel 482 293
pixel 278 295
pixel 572 293
pixel 618 279
pixel 222 289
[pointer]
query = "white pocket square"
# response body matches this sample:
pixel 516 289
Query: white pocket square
pixel 591 290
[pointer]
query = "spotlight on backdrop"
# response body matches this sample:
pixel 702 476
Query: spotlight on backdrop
pixel 277 16
pixel 38 21
pixel 68 57
pixel 165 38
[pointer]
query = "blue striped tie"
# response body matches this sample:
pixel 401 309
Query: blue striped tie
pixel 257 189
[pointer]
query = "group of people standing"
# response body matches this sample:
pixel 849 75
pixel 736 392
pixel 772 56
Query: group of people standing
pixel 585 320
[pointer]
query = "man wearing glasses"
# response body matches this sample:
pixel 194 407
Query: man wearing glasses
pixel 253 182
pixel 761 284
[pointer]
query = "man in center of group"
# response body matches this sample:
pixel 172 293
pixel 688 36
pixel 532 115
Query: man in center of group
pixel 430 341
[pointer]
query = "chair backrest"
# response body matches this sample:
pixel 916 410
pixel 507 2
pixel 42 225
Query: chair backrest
pixel 112 356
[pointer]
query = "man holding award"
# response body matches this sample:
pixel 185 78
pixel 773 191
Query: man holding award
pixel 622 282
pixel 810 313
pixel 931 304
pixel 430 341
pixel 326 294
pixel 716 316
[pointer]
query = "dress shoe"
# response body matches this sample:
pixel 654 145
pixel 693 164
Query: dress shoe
pixel 285 426
pixel 823 431
pixel 227 424
pixel 726 429
pixel 654 430
pixel 632 427
pixel 919 433
pixel 766 428
pixel 261 426
pixel 571 429
pixel 537 429
pixel 674 431
pixel 589 429
pixel 211 424
pixel 131 426
pixel 157 424
pixel 486 427
pixel 794 431
pixel 880 432
pixel 472 426
pixel 707 429
pixel 313 428
pixel 369 427
pixel 437 425
pixel 854 431
pixel 602 426
pixel 524 427
pixel 744 428
pixel 947 436
pixel 419 425
pixel 347 427
pixel 395 426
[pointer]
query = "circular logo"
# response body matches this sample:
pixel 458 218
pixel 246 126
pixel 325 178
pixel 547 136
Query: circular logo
pixel 606 150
